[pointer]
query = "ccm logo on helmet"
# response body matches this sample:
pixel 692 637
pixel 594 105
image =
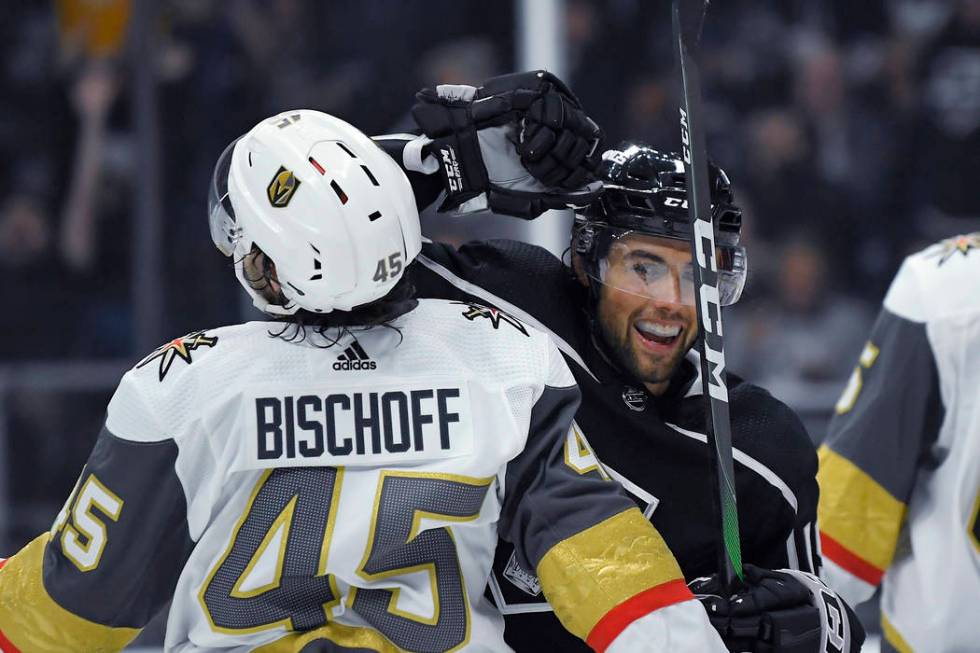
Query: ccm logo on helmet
pixel 282 187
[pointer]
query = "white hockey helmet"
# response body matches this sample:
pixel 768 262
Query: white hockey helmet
pixel 328 206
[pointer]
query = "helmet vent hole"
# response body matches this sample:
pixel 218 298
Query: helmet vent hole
pixel 317 264
pixel 340 191
pixel 249 159
pixel 374 216
pixel 369 175
pixel 344 148
pixel 316 164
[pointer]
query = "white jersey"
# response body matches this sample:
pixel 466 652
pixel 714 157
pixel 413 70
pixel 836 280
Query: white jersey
pixel 286 494
pixel 900 471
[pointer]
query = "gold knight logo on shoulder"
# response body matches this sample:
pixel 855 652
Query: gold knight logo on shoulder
pixel 962 244
pixel 178 348
pixel 282 187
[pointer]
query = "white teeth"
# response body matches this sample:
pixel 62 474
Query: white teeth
pixel 657 329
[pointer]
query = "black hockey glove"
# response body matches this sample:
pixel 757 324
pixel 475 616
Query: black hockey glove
pixel 784 611
pixel 519 145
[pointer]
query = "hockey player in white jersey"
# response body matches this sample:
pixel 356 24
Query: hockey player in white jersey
pixel 899 474
pixel 337 481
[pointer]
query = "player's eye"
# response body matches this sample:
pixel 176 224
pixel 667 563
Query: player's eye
pixel 687 274
pixel 650 271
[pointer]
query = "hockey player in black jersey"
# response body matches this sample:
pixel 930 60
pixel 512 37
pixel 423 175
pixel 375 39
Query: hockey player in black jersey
pixel 622 313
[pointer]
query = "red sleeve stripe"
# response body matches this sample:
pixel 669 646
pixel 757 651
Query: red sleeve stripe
pixel 616 620
pixel 5 644
pixel 849 561
pixel 3 561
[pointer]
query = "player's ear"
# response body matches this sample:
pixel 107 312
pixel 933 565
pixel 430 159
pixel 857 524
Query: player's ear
pixel 260 272
pixel 578 268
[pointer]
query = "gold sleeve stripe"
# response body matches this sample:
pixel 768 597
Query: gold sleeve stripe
pixel 592 572
pixel 893 637
pixel 31 620
pixel 855 511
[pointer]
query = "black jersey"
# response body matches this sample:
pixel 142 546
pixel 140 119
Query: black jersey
pixel 655 446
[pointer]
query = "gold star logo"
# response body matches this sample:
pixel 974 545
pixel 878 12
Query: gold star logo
pixel 962 244
pixel 178 347
pixel 495 316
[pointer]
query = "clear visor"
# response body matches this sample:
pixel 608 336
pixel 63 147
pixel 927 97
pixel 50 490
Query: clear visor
pixel 660 269
pixel 225 231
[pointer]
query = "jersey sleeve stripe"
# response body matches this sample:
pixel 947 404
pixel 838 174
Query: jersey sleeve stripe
pixel 893 637
pixel 813 536
pixel 849 561
pixel 31 620
pixel 856 512
pixel 792 558
pixel 619 618
pixel 588 575
pixel 6 646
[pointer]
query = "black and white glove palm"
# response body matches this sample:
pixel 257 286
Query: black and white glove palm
pixel 519 145
pixel 783 611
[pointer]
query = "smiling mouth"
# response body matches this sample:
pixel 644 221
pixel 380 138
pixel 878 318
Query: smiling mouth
pixel 656 333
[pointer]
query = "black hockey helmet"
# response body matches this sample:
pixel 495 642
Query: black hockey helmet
pixel 645 193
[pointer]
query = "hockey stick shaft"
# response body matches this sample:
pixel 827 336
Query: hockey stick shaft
pixel 688 16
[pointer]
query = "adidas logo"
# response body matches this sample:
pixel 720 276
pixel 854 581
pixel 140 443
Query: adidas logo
pixel 354 358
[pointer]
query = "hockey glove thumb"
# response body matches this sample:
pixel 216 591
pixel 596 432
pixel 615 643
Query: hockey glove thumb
pixel 519 145
pixel 777 612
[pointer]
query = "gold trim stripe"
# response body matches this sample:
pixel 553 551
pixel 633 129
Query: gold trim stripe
pixel 856 511
pixel 973 529
pixel 34 622
pixel 590 573
pixel 893 637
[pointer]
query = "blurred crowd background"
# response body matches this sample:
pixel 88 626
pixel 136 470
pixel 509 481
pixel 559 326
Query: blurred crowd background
pixel 850 131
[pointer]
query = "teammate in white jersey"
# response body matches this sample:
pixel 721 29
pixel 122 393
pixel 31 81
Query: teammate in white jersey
pixel 337 481
pixel 899 473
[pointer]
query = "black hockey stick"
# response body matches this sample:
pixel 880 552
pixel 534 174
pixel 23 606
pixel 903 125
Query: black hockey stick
pixel 688 17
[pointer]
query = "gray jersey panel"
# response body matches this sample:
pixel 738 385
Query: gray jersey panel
pixel 547 501
pixel 146 546
pixel 898 411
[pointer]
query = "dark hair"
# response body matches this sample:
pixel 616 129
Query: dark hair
pixel 332 327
